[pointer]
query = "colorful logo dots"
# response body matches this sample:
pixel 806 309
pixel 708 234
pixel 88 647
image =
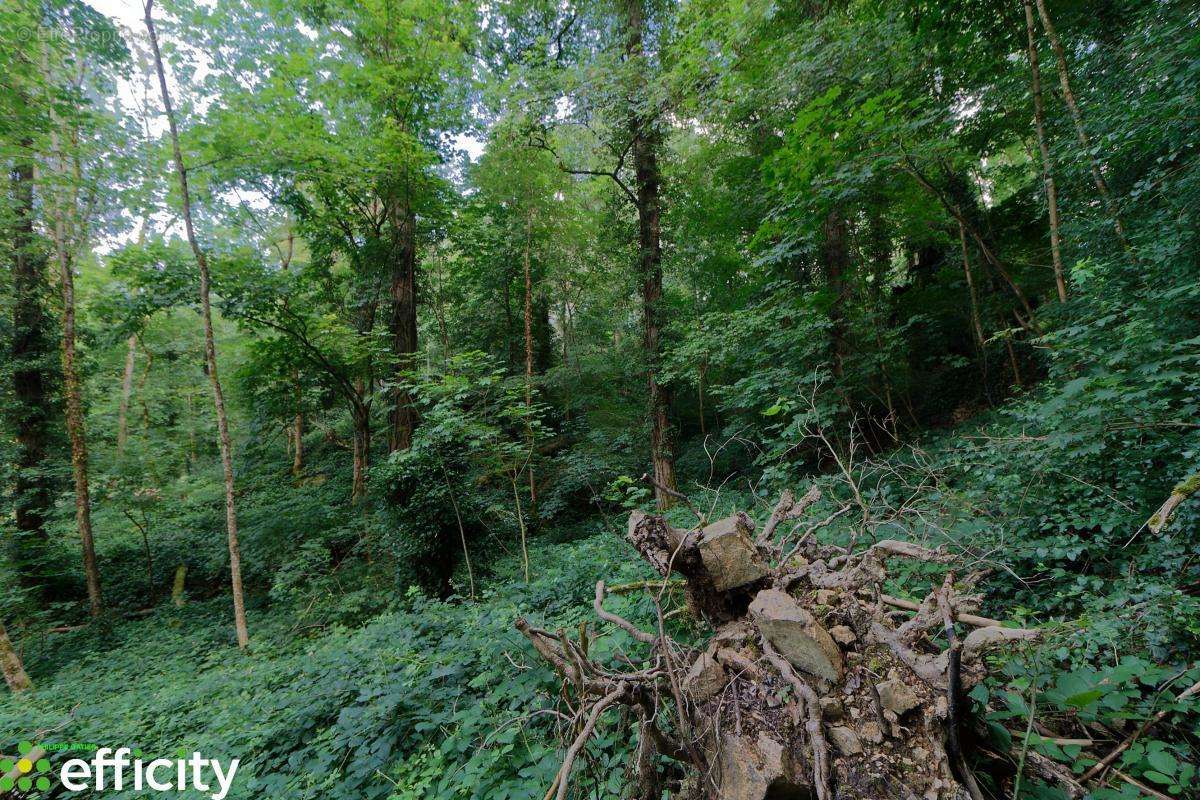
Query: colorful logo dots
pixel 27 770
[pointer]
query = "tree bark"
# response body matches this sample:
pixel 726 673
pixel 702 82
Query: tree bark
pixel 29 355
pixel 74 396
pixel 210 350
pixel 1064 80
pixel 403 327
pixel 126 393
pixel 1039 124
pixel 10 662
pixel 297 444
pixel 645 141
pixel 177 585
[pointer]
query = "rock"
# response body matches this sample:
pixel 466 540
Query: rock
pixel 832 709
pixel 845 740
pixel 872 732
pixel 729 554
pixel 825 597
pixel 842 634
pixel 731 634
pixel 705 679
pixel 796 634
pixel 897 697
pixel 746 768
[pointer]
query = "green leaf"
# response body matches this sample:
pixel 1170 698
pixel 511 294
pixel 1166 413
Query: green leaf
pixel 1163 761
pixel 1084 698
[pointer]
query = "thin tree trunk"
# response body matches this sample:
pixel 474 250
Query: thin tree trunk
pixel 297 444
pixel 646 176
pixel 32 406
pixel 126 393
pixel 74 397
pixel 462 534
pixel 1064 80
pixel 700 395
pixel 1039 121
pixel 988 256
pixel 210 350
pixel 976 323
pixel 529 361
pixel 1012 360
pixel 403 326
pixel 976 320
pixel 177 585
pixel 521 528
pixel 10 662
pixel 142 529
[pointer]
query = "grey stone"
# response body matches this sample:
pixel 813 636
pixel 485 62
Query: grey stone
pixel 705 679
pixel 845 740
pixel 842 634
pixel 872 732
pixel 897 697
pixel 729 554
pixel 796 634
pixel 748 767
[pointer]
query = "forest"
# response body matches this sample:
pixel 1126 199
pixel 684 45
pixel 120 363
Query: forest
pixel 606 399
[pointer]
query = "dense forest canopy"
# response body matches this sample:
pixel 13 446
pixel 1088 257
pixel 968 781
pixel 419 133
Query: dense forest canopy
pixel 338 337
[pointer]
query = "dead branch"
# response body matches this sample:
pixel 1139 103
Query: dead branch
pixel 817 687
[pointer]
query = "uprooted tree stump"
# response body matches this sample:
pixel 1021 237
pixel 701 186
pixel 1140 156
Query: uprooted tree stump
pixel 812 684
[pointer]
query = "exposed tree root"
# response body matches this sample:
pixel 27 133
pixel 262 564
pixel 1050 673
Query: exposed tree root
pixel 807 687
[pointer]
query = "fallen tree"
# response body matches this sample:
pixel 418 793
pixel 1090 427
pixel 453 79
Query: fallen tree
pixel 813 683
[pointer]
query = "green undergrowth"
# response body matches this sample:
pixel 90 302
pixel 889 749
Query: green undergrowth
pixel 355 689
pixel 428 699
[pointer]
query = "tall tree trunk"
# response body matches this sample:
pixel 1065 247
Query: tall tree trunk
pixel 29 356
pixel 210 350
pixel 1064 80
pixel 74 396
pixel 403 327
pixel 10 662
pixel 126 393
pixel 527 258
pixel 645 164
pixel 1039 124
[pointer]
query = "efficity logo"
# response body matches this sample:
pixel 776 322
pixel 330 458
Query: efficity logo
pixel 115 770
